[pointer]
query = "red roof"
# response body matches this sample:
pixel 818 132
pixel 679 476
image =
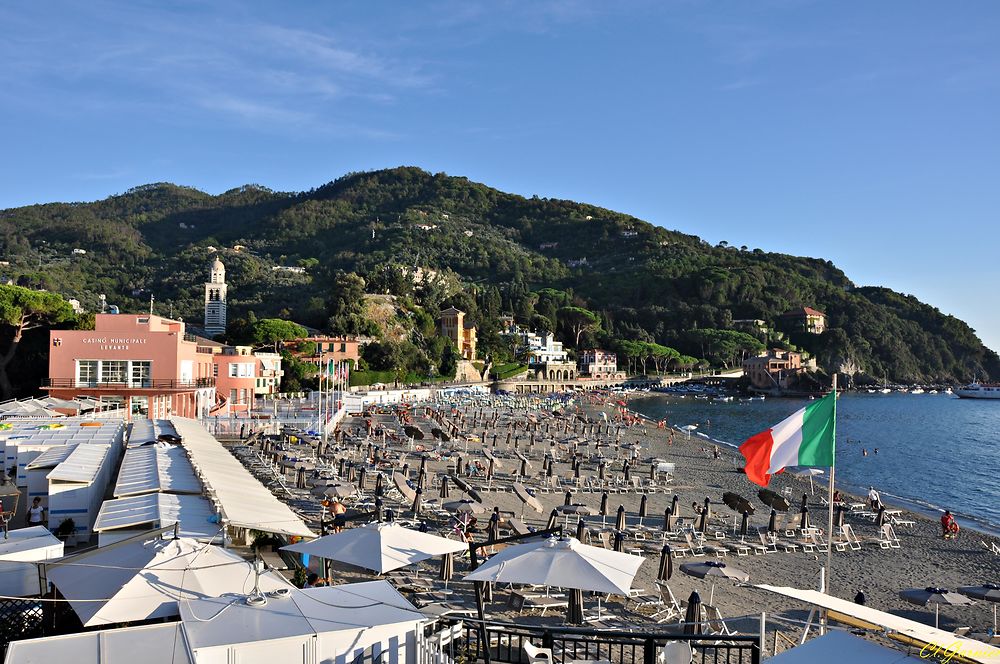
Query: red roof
pixel 804 311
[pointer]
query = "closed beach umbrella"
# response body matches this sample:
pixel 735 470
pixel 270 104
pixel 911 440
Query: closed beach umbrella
pixel 707 511
pixel 745 525
pixel 379 484
pixel 988 592
pixel 362 476
pixel 421 479
pixel 675 505
pixel 417 500
pixel 803 514
pixel 447 571
pixel 627 472
pixel 668 520
pixel 838 517
pixel 601 470
pixel 692 619
pixel 652 471
pixel 604 505
pixel 553 520
pixel 489 470
pixel 458 465
pixel 880 518
pixel 574 614
pixel 569 498
pixel 666 563
pixel 581 530
pixel 524 467
pixel 443 491
pixel 619 541
pixel 772 522
pixel 620 518
pixel 642 506
pixel 935 596
pixel 703 521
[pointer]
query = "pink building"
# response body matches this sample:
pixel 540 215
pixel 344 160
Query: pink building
pixel 143 363
pixel 241 374
pixel 597 363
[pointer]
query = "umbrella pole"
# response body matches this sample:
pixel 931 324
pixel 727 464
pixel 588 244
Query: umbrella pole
pixel 711 595
pixel 937 615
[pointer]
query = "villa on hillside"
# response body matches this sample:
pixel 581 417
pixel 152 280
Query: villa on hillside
pixel 452 324
pixel 805 319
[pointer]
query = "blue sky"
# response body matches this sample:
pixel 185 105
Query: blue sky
pixel 866 133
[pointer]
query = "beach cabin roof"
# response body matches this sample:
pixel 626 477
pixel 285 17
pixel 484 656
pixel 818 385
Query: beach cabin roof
pixel 18 577
pixel 158 467
pixel 244 501
pixel 82 465
pixel 51 457
pixel 838 647
pixel 898 627
pixel 195 514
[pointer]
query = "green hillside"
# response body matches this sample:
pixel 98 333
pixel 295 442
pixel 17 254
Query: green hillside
pixel 490 253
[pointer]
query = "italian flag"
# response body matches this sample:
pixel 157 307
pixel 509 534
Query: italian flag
pixel 804 438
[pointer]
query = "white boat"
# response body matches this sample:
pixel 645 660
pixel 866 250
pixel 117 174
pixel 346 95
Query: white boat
pixel 917 390
pixel 885 390
pixel 979 391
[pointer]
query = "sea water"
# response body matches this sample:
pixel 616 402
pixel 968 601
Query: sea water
pixel 928 452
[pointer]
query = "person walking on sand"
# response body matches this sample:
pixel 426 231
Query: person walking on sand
pixel 873 498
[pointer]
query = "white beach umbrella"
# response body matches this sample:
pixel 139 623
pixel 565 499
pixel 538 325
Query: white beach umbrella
pixel 141 580
pixel 380 547
pixel 562 563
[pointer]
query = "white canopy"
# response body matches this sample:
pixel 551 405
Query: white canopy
pixel 157 467
pixel 897 627
pixel 838 647
pixel 196 516
pixel 380 547
pixel 151 644
pixel 333 625
pixel 564 563
pixel 21 548
pixel 245 502
pixel 144 579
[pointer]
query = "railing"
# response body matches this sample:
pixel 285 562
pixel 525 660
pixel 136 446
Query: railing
pixel 146 384
pixel 506 645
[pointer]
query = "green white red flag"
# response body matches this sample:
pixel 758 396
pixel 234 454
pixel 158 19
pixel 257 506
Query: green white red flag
pixel 804 438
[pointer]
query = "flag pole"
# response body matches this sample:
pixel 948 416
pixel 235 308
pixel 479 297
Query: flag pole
pixel 829 520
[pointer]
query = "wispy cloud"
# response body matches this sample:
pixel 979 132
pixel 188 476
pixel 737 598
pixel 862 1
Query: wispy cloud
pixel 276 77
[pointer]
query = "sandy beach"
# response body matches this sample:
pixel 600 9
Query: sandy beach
pixel 923 558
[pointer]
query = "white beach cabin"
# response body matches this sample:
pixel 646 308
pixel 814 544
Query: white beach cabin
pixel 18 553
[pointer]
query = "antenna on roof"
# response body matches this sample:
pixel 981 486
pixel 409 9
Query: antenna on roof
pixel 151 298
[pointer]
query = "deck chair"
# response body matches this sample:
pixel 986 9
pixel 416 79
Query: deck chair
pixel 703 547
pixel 777 543
pixel 714 621
pixel 604 537
pixel 517 526
pixel 887 537
pixel 671 609
pixel 676 652
pixel 537 655
pixel 739 547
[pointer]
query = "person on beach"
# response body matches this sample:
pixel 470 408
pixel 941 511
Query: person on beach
pixel 949 527
pixel 36 513
pixel 339 519
pixel 873 498
pixel 311 581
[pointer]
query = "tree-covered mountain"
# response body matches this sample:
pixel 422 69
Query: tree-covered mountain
pixel 433 239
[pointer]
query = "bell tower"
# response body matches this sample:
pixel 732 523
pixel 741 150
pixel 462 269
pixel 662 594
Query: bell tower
pixel 215 299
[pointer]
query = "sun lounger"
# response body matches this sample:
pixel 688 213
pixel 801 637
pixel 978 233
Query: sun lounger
pixel 887 537
pixel 704 547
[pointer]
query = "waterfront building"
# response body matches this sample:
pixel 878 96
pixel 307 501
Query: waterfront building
pixel 338 349
pixel 805 319
pixel 461 332
pixel 215 299
pixel 775 368
pixel 597 363
pixel 143 363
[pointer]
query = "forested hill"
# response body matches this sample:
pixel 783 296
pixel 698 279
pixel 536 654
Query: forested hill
pixel 482 249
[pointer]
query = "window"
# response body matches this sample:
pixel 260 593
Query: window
pixel 215 370
pixel 232 396
pixel 114 371
pixel 241 370
pixel 141 373
pixel 244 397
pixel 86 373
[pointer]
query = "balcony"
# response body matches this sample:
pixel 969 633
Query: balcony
pixel 147 384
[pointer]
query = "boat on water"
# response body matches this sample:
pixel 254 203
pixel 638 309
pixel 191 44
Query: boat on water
pixel 979 391
pixel 917 390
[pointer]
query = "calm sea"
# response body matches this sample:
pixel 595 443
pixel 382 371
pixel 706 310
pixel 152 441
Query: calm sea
pixel 935 451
